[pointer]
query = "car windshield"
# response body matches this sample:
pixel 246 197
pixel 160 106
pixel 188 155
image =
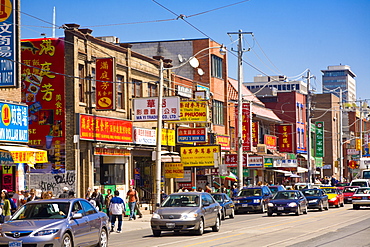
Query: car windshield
pixel 250 192
pixel 363 191
pixel 55 210
pixel 217 197
pixel 181 201
pixel 311 192
pixel 273 189
pixel 330 190
pixel 359 183
pixel 349 190
pixel 285 195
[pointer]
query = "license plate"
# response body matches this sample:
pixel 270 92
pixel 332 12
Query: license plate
pixel 245 205
pixel 365 198
pixel 280 208
pixel 170 225
pixel 15 243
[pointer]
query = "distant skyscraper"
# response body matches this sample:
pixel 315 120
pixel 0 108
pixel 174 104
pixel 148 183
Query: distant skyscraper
pixel 340 76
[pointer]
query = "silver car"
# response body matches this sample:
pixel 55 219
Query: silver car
pixel 187 211
pixel 361 197
pixel 56 222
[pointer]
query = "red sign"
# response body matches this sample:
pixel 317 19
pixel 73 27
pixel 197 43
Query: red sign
pixel 231 160
pixel 270 142
pixel 104 83
pixel 43 91
pixel 95 128
pixel 246 126
pixel 111 152
pixel 255 133
pixel 285 138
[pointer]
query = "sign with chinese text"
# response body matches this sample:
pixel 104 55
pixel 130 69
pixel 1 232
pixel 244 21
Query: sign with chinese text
pixel 268 162
pixel 246 126
pixel 111 152
pixel 8 43
pixel 144 136
pixel 104 83
pixel 191 135
pixel 285 138
pixel 5 158
pixel 193 111
pixel 286 163
pixel 94 128
pixel 231 160
pixel 146 109
pixel 13 123
pixel 270 142
pixel 43 90
pixel 173 170
pixel 255 161
pixel 223 141
pixel 255 133
pixel 319 139
pixel 168 137
pixel 200 155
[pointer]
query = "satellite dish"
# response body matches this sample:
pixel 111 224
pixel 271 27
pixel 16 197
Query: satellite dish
pixel 181 59
pixel 194 62
pixel 200 72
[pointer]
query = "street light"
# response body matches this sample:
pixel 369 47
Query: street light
pixel 193 61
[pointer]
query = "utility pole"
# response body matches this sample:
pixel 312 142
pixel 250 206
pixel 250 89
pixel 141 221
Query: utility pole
pixel 240 108
pixel 308 118
pixel 340 135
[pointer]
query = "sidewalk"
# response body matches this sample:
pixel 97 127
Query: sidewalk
pixel 132 225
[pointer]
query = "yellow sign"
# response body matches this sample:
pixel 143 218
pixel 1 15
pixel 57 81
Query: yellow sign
pixel 193 111
pixel 173 170
pixel 200 155
pixel 168 137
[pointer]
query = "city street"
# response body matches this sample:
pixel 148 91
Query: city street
pixel 336 227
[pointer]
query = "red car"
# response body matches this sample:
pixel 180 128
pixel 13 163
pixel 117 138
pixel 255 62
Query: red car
pixel 348 193
pixel 335 196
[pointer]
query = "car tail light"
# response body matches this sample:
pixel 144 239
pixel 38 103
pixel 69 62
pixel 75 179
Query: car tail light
pixel 356 197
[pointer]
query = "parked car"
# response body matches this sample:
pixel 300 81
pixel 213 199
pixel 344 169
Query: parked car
pixel 187 211
pixel 317 199
pixel 301 186
pixel 335 196
pixel 226 203
pixel 276 188
pixel 342 184
pixel 56 222
pixel 253 199
pixel 361 197
pixel 288 201
pixel 360 182
pixel 348 192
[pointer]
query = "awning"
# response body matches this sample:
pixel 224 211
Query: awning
pixel 286 173
pixel 24 154
pixel 301 170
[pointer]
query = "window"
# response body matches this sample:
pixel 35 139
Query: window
pixel 299 137
pixel 81 83
pixel 93 86
pixel 218 112
pixel 120 92
pixel 136 89
pixel 216 66
pixel 152 90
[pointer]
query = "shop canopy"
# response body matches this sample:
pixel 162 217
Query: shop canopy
pixel 24 154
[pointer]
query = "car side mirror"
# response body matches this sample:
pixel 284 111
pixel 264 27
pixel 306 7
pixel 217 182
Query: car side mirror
pixel 77 216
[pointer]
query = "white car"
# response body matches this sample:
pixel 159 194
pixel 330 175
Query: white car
pixel 360 182
pixel 361 197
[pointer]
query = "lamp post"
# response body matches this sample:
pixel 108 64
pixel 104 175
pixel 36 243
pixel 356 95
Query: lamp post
pixel 194 63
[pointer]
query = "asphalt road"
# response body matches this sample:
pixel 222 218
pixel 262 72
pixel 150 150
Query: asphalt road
pixel 335 227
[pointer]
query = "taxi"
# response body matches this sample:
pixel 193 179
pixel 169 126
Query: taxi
pixel 335 196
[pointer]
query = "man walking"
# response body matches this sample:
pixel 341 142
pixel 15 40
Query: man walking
pixel 116 209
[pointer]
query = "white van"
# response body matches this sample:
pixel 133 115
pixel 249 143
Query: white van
pixel 360 182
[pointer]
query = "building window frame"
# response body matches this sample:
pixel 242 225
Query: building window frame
pixel 216 66
pixel 81 83
pixel 218 112
pixel 121 100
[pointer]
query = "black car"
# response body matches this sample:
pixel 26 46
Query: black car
pixel 252 199
pixel 317 199
pixel 226 203
pixel 287 201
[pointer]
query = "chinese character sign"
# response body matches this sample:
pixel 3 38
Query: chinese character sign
pixel 270 142
pixel 185 135
pixel 200 155
pixel 246 126
pixel 104 83
pixel 285 138
pixel 146 109
pixel 43 88
pixel 8 43
pixel 255 133
pixel 319 139
pixel 13 123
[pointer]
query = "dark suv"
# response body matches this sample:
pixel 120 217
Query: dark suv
pixel 253 199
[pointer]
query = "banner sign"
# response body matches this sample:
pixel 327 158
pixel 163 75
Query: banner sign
pixel 104 83
pixel 285 138
pixel 286 163
pixel 319 139
pixel 255 133
pixel 168 137
pixel 246 125
pixel 111 152
pixel 144 136
pixel 191 135
pixel 43 90
pixel 255 161
pixel 270 142
pixel 200 155
pixel 94 128
pixel 8 43
pixel 146 109
pixel 13 123
pixel 173 170
pixel 193 111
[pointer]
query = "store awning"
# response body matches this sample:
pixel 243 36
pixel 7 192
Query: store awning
pixel 301 170
pixel 24 154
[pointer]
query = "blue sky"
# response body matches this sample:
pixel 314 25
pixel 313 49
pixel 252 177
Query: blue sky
pixel 290 36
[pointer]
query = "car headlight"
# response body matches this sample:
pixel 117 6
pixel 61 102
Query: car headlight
pixel 189 216
pixel 236 201
pixel 270 204
pixel 156 216
pixel 292 204
pixel 256 200
pixel 46 232
pixel 313 201
pixel 333 199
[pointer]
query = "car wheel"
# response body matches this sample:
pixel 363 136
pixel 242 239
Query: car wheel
pixel 223 216
pixel 278 214
pixel 156 233
pixel 269 214
pixel 103 240
pixel 356 206
pixel 298 211
pixel 321 207
pixel 337 206
pixel 342 204
pixel 232 215
pixel 201 228
pixel 216 227
pixel 67 240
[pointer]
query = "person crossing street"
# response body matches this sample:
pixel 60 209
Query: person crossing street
pixel 116 209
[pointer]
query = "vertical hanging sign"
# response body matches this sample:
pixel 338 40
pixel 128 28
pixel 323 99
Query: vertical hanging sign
pixel 246 125
pixel 319 139
pixel 104 84
pixel 285 138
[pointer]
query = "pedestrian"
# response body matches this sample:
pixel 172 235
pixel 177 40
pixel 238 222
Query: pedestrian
pixel 45 195
pixel 32 196
pixel 5 207
pixel 107 199
pixel 132 200
pixel 234 191
pixel 92 200
pixel 116 209
pixel 13 206
pixel 88 194
pixel 208 189
pixel 71 194
pixel 181 189
pixel 23 198
pixel 99 199
pixel 65 193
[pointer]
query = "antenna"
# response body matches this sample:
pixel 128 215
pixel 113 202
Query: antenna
pixel 53 22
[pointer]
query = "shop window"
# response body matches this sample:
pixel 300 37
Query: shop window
pixel 112 173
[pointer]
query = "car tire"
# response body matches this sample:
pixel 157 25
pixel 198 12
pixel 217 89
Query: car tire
pixel 278 214
pixel 298 211
pixel 216 227
pixel 201 228
pixel 67 240
pixel 355 206
pixel 223 216
pixel 232 215
pixel 103 240
pixel 156 233
pixel 342 204
pixel 321 207
pixel 337 206
pixel 269 214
